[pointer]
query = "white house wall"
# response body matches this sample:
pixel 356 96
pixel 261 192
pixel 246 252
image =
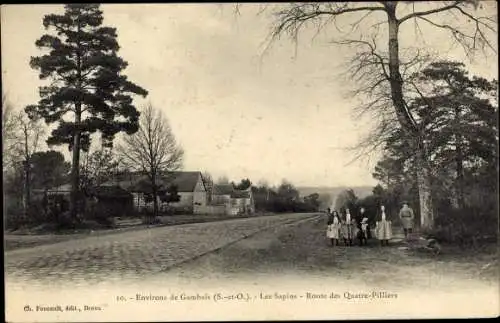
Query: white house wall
pixel 197 201
pixel 186 200
pixel 221 199
pixel 200 193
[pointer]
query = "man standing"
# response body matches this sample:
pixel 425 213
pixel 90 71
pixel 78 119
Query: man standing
pixel 406 215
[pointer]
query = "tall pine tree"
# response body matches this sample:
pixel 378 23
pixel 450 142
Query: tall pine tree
pixel 87 90
pixel 458 113
pixel 460 119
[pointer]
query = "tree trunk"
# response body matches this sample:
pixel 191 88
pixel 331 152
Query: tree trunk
pixel 26 164
pixel 75 168
pixel 395 79
pixel 406 120
pixel 454 200
pixel 424 188
pixel 459 161
pixel 155 203
pixel 155 196
pixel 459 186
pixel 27 189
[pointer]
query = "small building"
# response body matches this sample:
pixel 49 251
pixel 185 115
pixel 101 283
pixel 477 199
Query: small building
pixel 234 201
pixel 112 200
pixel 221 194
pixel 64 190
pixel 242 202
pixel 189 185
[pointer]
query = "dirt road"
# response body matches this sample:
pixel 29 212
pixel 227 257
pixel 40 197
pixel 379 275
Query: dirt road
pixel 253 269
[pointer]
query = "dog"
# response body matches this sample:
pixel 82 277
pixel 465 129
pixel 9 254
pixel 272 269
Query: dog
pixel 426 245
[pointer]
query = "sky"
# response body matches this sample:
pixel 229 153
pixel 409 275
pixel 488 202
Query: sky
pixel 237 110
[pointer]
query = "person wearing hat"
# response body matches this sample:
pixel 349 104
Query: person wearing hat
pixel 407 217
pixel 383 227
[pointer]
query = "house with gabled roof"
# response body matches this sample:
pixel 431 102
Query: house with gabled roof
pixel 235 201
pixel 190 188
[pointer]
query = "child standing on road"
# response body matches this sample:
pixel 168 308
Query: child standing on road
pixel 348 228
pixel 333 231
pixel 383 228
pixel 362 228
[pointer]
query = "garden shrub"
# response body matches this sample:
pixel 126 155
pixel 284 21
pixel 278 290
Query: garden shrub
pixel 104 213
pixel 466 227
pixel 14 217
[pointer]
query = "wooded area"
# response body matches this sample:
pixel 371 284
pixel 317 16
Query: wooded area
pixel 437 124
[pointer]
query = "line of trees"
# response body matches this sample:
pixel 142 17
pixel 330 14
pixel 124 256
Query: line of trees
pixel 84 92
pixel 437 126
pixel 280 199
pixel 380 65
pixel 458 117
pixel 285 198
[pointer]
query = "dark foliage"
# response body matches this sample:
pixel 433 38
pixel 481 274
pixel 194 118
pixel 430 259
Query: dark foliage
pixel 86 83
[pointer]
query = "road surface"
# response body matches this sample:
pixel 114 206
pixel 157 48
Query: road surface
pixel 282 266
pixel 132 255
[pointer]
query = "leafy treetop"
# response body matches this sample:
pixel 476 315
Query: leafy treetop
pixel 85 78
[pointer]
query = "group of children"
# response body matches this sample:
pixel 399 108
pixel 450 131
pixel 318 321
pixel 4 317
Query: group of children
pixel 347 228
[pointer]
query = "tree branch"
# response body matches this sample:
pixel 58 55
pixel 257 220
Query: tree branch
pixel 429 12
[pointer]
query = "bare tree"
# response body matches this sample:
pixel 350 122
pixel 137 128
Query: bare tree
pixel 10 132
pixel 466 28
pixel 20 140
pixel 374 92
pixel 209 185
pixel 28 135
pixel 97 167
pixel 152 150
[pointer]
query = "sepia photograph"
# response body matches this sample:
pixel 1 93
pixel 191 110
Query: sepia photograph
pixel 250 161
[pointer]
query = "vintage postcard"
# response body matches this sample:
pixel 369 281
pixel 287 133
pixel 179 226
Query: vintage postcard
pixel 255 161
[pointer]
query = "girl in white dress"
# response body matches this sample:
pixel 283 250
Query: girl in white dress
pixel 348 228
pixel 333 231
pixel 383 228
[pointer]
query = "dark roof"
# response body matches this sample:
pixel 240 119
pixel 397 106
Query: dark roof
pixel 185 181
pixel 127 181
pixel 138 182
pixel 109 192
pixel 240 194
pixel 223 189
pixel 228 189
